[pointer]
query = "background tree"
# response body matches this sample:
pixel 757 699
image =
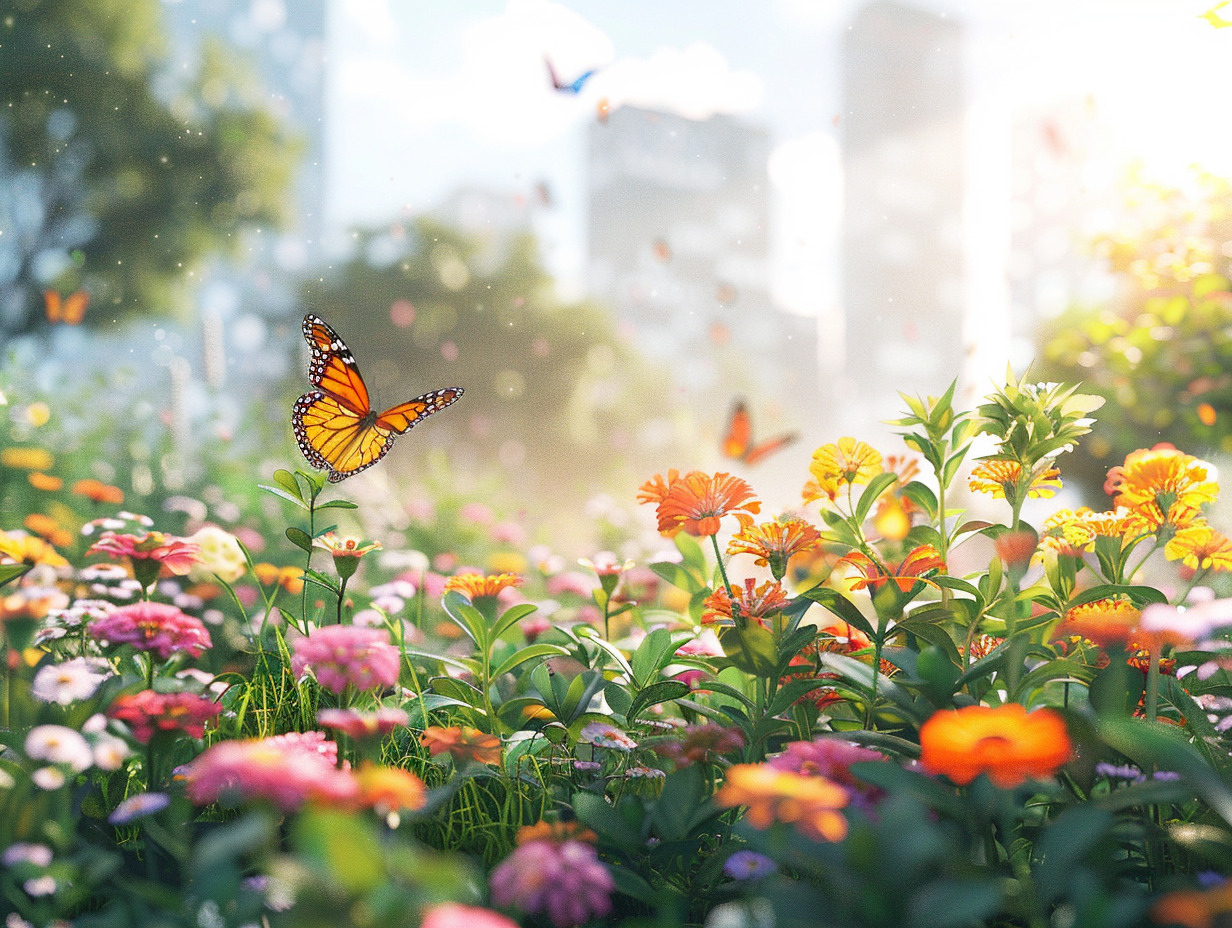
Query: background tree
pixel 112 179
pixel 1160 352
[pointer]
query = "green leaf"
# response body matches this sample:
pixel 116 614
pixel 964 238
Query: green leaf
pixel 654 652
pixel 954 902
pixel 656 693
pixel 872 492
pixel 337 504
pixel 751 649
pixel 678 576
pixel 467 618
pixel 340 847
pixel 510 617
pixel 581 691
pixel 684 792
pixel 598 815
pixel 10 572
pixel 460 690
pixel 282 494
pixel 528 653
pixel 300 538
pixel 1139 595
pixel 285 479
pixel 618 699
pixel 841 606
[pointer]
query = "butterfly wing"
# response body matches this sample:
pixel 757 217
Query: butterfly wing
pixel 52 305
pixel 332 368
pixel 404 416
pixel 739 434
pixel 768 447
pixel 74 307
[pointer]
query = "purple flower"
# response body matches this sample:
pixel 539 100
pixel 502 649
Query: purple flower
pixel 138 806
pixel 748 865
pixel 565 881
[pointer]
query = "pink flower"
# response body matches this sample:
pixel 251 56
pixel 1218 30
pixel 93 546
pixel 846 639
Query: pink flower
pixel 176 554
pixel 534 625
pixel 147 713
pixel 152 627
pixel 831 758
pixel 287 770
pixel 344 655
pixel 359 725
pixel 565 881
pixel 457 915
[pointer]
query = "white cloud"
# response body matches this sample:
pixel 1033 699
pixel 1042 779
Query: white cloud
pixel 695 82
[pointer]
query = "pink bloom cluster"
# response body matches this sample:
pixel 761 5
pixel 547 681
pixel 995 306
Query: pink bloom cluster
pixel 345 655
pixel 563 880
pixel 146 713
pixel 154 627
pixel 287 770
pixel 361 725
pixel 176 554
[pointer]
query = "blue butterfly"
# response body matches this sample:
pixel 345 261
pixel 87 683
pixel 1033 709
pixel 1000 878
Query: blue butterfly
pixel 558 84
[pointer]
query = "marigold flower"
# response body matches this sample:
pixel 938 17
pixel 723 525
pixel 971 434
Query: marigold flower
pixel 1006 742
pixel 847 460
pixel 175 554
pixel 41 481
pixel 810 803
pixel 696 502
pixel 27 458
pixel 147 713
pixel 287 770
pixel 346 655
pixel 1068 532
pixel 566 882
pixel 20 548
pixel 721 606
pixel 1200 547
pixel 48 529
pixel 360 725
pixel 772 544
pixel 389 789
pixel 155 627
pixel 1162 486
pixel 1001 480
pixel 919 564
pixel 463 744
pixel 1110 621
pixel 476 586
pixel 99 492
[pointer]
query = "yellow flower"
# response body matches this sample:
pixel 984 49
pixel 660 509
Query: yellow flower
pixel 1200 547
pixel 1109 621
pixel 810 803
pixel 848 460
pixel 20 548
pixel 27 458
pixel 1162 486
pixel 1001 479
pixel 42 481
pixel 474 586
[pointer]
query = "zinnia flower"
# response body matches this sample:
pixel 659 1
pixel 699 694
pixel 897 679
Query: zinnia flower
pixel 722 606
pixel 462 744
pixel 847 461
pixel 476 586
pixel 919 564
pixel 155 627
pixel 287 770
pixel 1162 486
pixel 696 502
pixel 810 803
pixel 56 744
pixel 138 806
pixel 603 735
pixel 177 555
pixel 27 458
pixel 98 491
pixel 1194 908
pixel 345 655
pixel 566 882
pixel 389 789
pixel 147 713
pixel 218 554
pixel 360 725
pixel 1112 621
pixel 1200 547
pixel 772 544
pixel 748 865
pixel 1003 480
pixel 20 548
pixel 1008 743
pixel 700 744
pixel 70 681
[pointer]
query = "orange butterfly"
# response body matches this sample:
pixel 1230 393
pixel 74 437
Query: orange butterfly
pixel 70 309
pixel 335 426
pixel 738 440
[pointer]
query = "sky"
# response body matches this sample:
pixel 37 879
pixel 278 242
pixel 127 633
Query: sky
pixel 427 97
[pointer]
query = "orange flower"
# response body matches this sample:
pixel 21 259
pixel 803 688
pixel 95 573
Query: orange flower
pixel 1002 478
pixel 773 543
pixel 893 518
pixel 1194 908
pixel 656 488
pixel 98 491
pixel 462 744
pixel 389 789
pixel 474 586
pixel 847 460
pixel 48 528
pixel 767 599
pixel 41 481
pixel 1200 547
pixel 844 637
pixel 919 564
pixel 1008 743
pixel 1162 486
pixel 555 832
pixel 20 548
pixel 810 803
pixel 1110 621
pixel 695 502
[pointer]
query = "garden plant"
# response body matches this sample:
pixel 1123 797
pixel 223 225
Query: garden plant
pixel 809 718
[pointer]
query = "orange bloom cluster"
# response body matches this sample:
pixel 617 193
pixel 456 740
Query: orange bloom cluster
pixel 474 586
pixel 1110 621
pixel 1001 479
pixel 753 603
pixel 812 804
pixel 917 566
pixel 774 543
pixel 462 744
pixel 1162 487
pixel 98 492
pixel 696 502
pixel 1006 742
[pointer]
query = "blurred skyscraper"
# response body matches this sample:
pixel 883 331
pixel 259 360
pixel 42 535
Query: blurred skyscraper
pixel 678 219
pixel 904 286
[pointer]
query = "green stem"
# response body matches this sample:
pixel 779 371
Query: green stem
pixel 341 598
pixel 1151 706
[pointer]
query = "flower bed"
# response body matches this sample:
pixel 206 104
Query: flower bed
pixel 805 719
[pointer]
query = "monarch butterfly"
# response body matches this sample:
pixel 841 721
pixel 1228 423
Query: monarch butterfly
pixel 335 426
pixel 70 309
pixel 738 439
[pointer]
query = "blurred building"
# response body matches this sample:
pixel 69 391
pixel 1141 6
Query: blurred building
pixel 902 131
pixel 678 246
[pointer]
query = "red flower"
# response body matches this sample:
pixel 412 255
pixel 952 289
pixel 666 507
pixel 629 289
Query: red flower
pixel 147 713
